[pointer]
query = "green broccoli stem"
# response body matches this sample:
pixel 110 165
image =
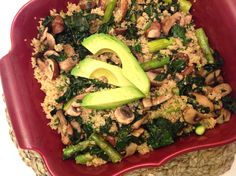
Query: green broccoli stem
pixel 83 158
pixel 73 149
pixel 155 63
pixel 109 10
pixel 203 42
pixel 185 5
pixel 108 149
pixel 159 44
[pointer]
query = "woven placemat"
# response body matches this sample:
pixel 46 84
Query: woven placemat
pixel 210 162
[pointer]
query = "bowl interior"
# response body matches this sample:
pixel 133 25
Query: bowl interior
pixel 23 95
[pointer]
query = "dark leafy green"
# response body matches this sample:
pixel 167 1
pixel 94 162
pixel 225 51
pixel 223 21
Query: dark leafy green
pixel 79 84
pixel 137 48
pixel 105 128
pixel 47 21
pixel 219 62
pixel 131 32
pixel 180 31
pixel 162 132
pixel 176 65
pixel 197 106
pixel 105 28
pixel 161 77
pixel 229 103
pixel 186 85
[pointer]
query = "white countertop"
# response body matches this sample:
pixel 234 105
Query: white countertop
pixel 11 162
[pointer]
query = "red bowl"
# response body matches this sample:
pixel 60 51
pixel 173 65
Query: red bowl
pixel 23 95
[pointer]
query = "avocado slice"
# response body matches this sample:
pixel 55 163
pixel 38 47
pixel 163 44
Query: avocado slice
pixel 100 43
pixel 111 98
pixel 91 68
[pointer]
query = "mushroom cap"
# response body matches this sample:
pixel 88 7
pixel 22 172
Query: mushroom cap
pixel 52 69
pixel 124 115
pixel 204 101
pixel 190 115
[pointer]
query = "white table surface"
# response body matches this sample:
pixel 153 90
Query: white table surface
pixel 11 162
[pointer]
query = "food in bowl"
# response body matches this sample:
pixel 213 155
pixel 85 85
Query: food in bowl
pixel 125 77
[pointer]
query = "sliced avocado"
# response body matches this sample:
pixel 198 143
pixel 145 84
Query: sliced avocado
pixel 91 68
pixel 100 43
pixel 111 98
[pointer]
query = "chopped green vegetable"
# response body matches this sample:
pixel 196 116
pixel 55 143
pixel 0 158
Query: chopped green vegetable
pixel 105 27
pixel 155 63
pixel 229 103
pixel 203 42
pixel 162 132
pixel 185 5
pixel 161 77
pixel 200 130
pixel 219 62
pixel 176 65
pixel 131 32
pixel 168 1
pixel 137 48
pixel 180 31
pixel 159 44
pixel 83 158
pixel 109 11
pixel 73 149
pixel 107 148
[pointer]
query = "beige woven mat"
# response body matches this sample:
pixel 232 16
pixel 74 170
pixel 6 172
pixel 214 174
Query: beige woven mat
pixel 210 162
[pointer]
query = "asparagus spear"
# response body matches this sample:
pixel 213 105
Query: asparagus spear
pixel 155 63
pixel 185 5
pixel 109 10
pixel 108 149
pixel 168 1
pixel 203 42
pixel 83 158
pixel 73 149
pixel 159 44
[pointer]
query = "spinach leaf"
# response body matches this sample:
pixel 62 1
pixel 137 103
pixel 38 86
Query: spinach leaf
pixel 180 31
pixel 176 65
pixel 161 77
pixel 105 28
pixel 132 32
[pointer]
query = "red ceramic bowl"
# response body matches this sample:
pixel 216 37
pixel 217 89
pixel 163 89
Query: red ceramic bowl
pixel 23 96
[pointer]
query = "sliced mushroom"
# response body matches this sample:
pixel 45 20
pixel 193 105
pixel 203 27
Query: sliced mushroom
pixel 44 35
pixel 102 4
pixel 69 50
pixel 50 53
pixel 139 122
pixel 185 20
pixel 222 89
pixel 154 31
pixel 224 116
pixel 131 149
pixel 120 31
pixel 151 76
pixel 76 125
pixel 50 41
pixel 187 71
pixel 67 64
pixel 149 102
pixel 123 8
pixel 52 69
pixel 204 101
pixel 65 128
pixel 212 77
pixel 138 132
pixel 168 22
pixel 73 107
pixel 190 115
pixel 124 115
pixel 87 5
pixel 42 66
pixel 57 25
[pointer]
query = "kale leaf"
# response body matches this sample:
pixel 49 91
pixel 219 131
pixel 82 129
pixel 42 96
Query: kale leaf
pixel 162 132
pixel 176 65
pixel 229 103
pixel 180 31
pixel 219 62
pixel 131 32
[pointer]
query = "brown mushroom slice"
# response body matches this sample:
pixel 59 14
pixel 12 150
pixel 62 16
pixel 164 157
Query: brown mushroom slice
pixel 65 137
pixel 123 8
pixel 41 64
pixel 102 4
pixel 57 25
pixel 168 22
pixel 51 42
pixel 190 115
pixel 205 116
pixel 69 50
pixel 224 116
pixel 73 107
pixel 76 125
pixel 124 115
pixel 50 53
pixel 154 31
pixel 52 69
pixel 149 102
pixel 151 76
pixel 61 117
pixel 44 35
pixel 212 77
pixel 187 71
pixel 222 89
pixel 138 132
pixel 111 140
pixel 136 125
pixel 131 149
pixel 67 64
pixel 120 31
pixel 204 101
pixel 87 4
pixel 185 20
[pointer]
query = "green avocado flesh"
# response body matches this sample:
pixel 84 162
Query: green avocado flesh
pixel 111 98
pixel 95 69
pixel 100 43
